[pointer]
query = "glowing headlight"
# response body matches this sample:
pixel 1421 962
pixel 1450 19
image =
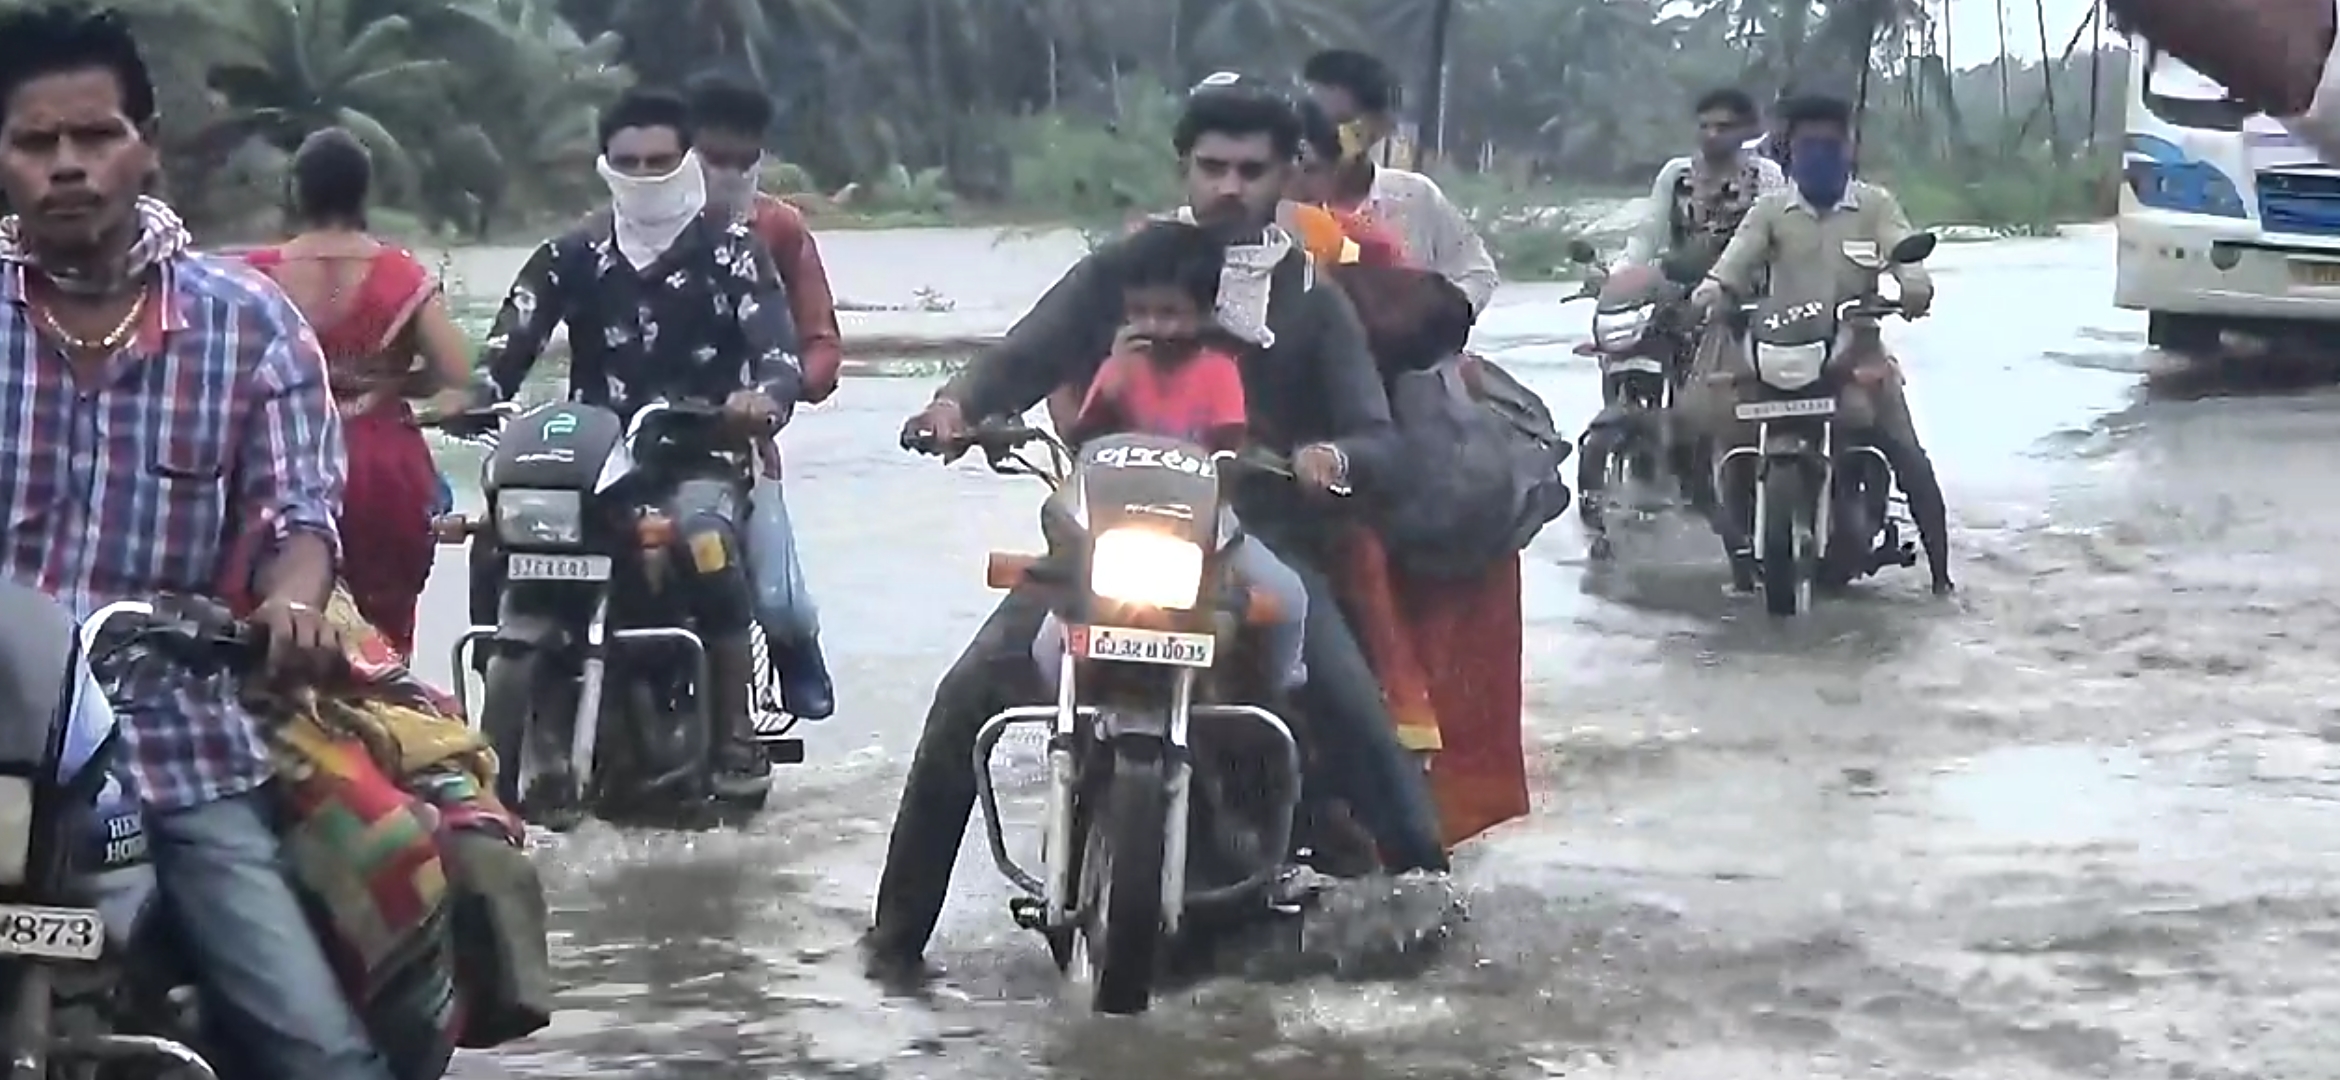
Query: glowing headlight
pixel 1617 329
pixel 1138 566
pixel 16 810
pixel 528 517
pixel 1790 367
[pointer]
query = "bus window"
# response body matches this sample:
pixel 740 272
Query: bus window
pixel 2179 95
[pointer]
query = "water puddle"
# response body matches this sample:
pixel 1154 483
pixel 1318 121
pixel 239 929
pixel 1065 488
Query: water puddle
pixel 2052 796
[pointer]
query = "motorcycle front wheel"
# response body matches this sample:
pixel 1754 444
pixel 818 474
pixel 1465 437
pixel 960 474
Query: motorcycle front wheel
pixel 1121 883
pixel 1787 517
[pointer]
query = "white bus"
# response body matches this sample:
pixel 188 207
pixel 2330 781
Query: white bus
pixel 2226 220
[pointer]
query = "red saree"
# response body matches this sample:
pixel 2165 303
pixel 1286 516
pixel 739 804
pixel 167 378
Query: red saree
pixel 392 484
pixel 1448 652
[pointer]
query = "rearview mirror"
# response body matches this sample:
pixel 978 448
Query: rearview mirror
pixel 1581 251
pixel 1914 248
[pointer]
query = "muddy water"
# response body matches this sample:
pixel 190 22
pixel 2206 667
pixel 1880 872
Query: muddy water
pixel 2070 823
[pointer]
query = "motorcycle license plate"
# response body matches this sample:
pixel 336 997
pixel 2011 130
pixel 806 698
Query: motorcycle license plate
pixel 1779 410
pixel 54 932
pixel 1641 364
pixel 524 566
pixel 1144 646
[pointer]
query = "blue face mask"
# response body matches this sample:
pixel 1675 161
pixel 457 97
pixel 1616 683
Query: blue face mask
pixel 1821 168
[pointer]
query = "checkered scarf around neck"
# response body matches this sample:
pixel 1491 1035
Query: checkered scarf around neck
pixel 1245 277
pixel 160 237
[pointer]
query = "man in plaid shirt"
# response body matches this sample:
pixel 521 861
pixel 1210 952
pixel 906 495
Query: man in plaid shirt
pixel 152 403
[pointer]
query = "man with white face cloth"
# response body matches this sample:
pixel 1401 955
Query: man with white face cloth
pixel 663 302
pixel 2279 56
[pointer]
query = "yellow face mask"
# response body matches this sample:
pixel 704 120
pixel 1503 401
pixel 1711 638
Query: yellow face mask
pixel 1356 140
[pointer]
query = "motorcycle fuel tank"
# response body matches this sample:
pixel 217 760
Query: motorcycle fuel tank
pixel 557 447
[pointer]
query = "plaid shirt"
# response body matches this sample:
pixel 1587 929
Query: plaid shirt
pixel 216 414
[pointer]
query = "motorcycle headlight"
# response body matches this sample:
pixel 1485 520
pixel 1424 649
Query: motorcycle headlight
pixel 530 518
pixel 1140 566
pixel 16 810
pixel 1617 329
pixel 1790 367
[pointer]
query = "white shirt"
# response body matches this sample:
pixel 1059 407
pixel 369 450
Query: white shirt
pixel 2320 128
pixel 1434 230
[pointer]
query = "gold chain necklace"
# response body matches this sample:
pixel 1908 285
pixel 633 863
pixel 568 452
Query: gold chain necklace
pixel 112 341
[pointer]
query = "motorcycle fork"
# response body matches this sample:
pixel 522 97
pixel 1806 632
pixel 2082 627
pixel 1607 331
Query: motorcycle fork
pixel 586 734
pixel 1062 884
pixel 1823 495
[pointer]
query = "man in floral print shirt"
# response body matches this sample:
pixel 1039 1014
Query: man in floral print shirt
pixel 665 302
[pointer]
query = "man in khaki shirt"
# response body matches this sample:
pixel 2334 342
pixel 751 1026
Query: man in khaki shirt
pixel 1823 241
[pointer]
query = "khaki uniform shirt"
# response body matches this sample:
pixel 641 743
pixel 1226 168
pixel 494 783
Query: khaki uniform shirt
pixel 1811 256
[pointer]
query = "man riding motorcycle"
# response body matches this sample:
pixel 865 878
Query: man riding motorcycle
pixel 1313 391
pixel 732 116
pixel 118 486
pixel 664 302
pixel 1820 242
pixel 1695 205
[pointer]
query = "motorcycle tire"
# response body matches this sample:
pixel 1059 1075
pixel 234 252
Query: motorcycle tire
pixel 1121 883
pixel 507 714
pixel 1787 512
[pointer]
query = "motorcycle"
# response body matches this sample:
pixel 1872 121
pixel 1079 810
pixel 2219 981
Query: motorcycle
pixel 594 686
pixel 1642 359
pixel 1155 827
pixel 1823 504
pixel 75 887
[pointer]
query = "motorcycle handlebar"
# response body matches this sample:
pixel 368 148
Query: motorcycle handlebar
pixel 473 421
pixel 994 436
pixel 195 631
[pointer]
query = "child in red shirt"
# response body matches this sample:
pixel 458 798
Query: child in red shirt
pixel 1166 377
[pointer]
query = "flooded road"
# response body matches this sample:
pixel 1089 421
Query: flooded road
pixel 2074 822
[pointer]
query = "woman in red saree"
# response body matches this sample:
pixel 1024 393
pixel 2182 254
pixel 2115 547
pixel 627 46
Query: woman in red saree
pixel 376 312
pixel 1447 651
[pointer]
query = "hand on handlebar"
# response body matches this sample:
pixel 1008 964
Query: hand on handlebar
pixel 304 648
pixel 939 429
pixel 1707 298
pixel 753 412
pixel 1322 467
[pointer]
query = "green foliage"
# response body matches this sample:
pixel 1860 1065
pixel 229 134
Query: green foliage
pixel 2026 195
pixel 1096 172
pixel 481 113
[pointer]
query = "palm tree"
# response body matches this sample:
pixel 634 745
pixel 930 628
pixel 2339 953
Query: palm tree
pixel 295 66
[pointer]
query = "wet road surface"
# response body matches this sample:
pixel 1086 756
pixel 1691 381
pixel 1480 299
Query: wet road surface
pixel 2071 823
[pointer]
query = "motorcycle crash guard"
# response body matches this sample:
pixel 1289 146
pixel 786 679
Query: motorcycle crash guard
pixel 516 630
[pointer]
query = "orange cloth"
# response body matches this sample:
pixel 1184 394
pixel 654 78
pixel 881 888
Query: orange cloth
pixel 1334 237
pixel 1467 636
pixel 1374 605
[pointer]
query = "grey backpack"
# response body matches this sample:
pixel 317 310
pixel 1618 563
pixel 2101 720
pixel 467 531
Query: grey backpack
pixel 1483 469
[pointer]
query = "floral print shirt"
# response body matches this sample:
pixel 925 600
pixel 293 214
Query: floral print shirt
pixel 706 318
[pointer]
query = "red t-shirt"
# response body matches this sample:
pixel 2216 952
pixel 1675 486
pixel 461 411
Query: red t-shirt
pixel 1200 400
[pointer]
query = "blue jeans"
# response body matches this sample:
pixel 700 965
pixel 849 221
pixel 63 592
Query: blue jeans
pixel 1283 640
pixel 264 974
pixel 784 605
